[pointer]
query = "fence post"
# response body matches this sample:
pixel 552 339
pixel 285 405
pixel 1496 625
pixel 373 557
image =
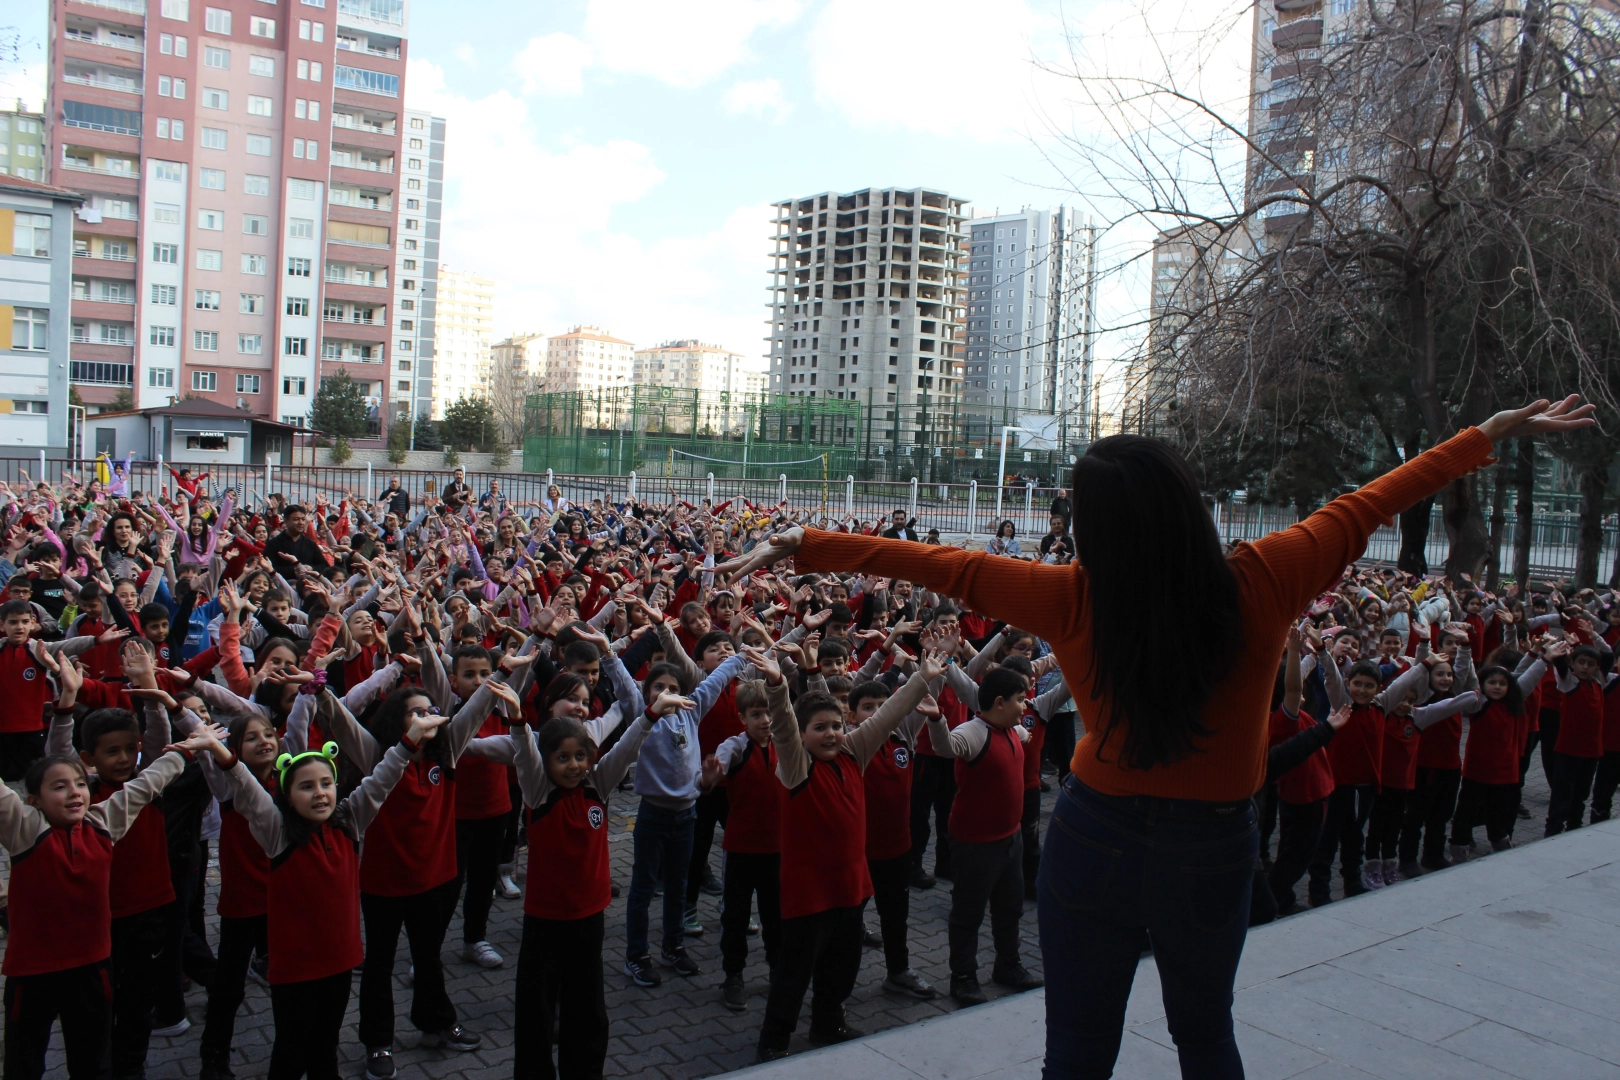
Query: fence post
pixel 973 506
pixel 1029 505
pixel 632 483
pixel 551 479
pixel 42 467
pixel 782 479
pixel 371 484
pixel 710 489
pixel 269 481
pixel 1221 536
pixel 849 494
pixel 913 512
pixel 157 485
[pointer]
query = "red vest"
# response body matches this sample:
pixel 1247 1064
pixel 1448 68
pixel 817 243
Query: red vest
pixel 1611 717
pixel 482 791
pixel 756 799
pixel 140 861
pixel 244 868
pixel 568 857
pixel 721 722
pixel 26 691
pixel 1495 740
pixel 314 908
pixel 1439 747
pixel 1580 733
pixel 824 841
pixel 888 802
pixel 1312 779
pixel 1357 751
pixel 61 917
pixel 1398 769
pixel 989 801
pixel 1032 749
pixel 411 846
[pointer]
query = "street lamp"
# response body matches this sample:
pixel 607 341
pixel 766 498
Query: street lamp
pixel 1001 470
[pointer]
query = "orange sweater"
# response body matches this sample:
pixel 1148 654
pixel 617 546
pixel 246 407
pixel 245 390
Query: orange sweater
pixel 1278 577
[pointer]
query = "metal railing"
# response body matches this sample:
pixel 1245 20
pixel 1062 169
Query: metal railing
pixel 104 84
pixel 134 7
pixel 73 166
pixel 103 254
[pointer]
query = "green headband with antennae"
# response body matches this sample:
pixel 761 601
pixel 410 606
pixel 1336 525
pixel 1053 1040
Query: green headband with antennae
pixel 286 763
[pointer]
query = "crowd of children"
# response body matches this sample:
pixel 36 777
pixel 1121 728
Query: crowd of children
pixel 360 714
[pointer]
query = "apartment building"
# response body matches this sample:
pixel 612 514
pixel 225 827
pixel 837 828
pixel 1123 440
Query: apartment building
pixel 464 331
pixel 588 358
pixel 418 264
pixel 36 280
pixel 241 161
pixel 522 357
pixel 1031 314
pixel 692 365
pixel 22 143
pixel 868 298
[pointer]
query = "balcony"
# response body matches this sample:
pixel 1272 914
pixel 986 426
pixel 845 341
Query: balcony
pixel 1300 34
pixel 99 373
pixel 348 159
pixel 361 122
pixel 351 352
pixel 102 82
pixel 1296 5
pixel 132 7
pixel 104 253
pixel 103 292
pixel 364 81
pixel 124 169
pixel 104 35
pixel 383 11
pixel 351 275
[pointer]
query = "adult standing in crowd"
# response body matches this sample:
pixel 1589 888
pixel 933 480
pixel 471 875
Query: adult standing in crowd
pixel 456 492
pixel 397 499
pixel 901 529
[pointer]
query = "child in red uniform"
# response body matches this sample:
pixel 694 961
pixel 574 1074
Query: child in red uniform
pixel 560 961
pixel 1497 726
pixel 1581 681
pixel 987 851
pixel 26 689
pixel 313 840
pixel 825 884
pixel 483 801
pixel 1302 792
pixel 57 958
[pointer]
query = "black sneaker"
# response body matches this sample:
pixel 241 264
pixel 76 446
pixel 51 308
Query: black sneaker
pixel 921 879
pixel 677 959
pixel 872 939
pixel 1015 976
pixel 641 970
pixel 966 990
pixel 380 1064
pixel 772 1054
pixel 943 873
pixel 216 1070
pixel 830 1036
pixel 734 994
pixel 711 886
pixel 613 890
pixel 451 1038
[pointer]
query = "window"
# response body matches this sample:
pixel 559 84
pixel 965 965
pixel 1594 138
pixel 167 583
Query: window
pixel 407 305
pixel 166 170
pixel 206 381
pixel 29 328
pixel 160 377
pixel 413 184
pixel 177 9
pixel 249 345
pixel 414 163
pixel 416 123
pixel 302 189
pixel 160 335
pixel 416 144
pixel 205 341
pixel 315 71
pixel 212 179
pixel 217 21
pixel 258 27
pixel 166 253
pixel 300 228
pixel 162 128
pixel 263 66
pixel 177 130
pixel 314 149
pixel 206 299
pixel 293 385
pixel 166 213
pixel 298 146
pixel 365 80
pixel 212 220
pixel 165 44
pixel 413 204
pixel 250 303
pixel 298 305
pixel 213 138
pixel 165 295
pixel 247 384
pixel 319 31
pixel 303 69
pixel 215 99
pixel 255 225
pixel 180 84
pixel 179 50
pixel 298 267
pixel 258 106
pixel 259 145
pixel 216 58
pixel 210 260
pixel 409 264
pixel 31 236
pixel 303 29
pixel 403 346
pixel 165 84
pixel 253 264
pixel 295 346
pixel 256 185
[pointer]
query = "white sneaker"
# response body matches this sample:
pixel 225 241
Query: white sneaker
pixel 169 1032
pixel 481 953
pixel 1372 873
pixel 506 886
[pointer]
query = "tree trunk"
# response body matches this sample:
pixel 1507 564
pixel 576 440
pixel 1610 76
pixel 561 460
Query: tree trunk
pixel 1493 564
pixel 1614 575
pixel 1465 527
pixel 1589 537
pixel 1524 485
pixel 1415 537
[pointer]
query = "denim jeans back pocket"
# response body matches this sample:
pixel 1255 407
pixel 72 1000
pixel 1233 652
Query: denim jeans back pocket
pixel 1077 871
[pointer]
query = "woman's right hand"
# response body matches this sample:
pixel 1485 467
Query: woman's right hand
pixel 780 546
pixel 1540 418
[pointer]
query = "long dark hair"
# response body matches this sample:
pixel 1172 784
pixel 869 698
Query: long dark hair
pixel 388 725
pixel 1148 545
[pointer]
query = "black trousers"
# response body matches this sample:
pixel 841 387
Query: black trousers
pixel 560 975
pixel 892 897
pixel 1604 786
pixel 424 916
pixel 238 938
pixel 1550 721
pixel 1571 786
pixel 1267 804
pixel 18 751
pixel 81 998
pixel 184 954
pixel 713 807
pixel 989 873
pixel 933 789
pixel 821 950
pixel 512 830
pixel 1384 824
pixel 137 965
pixel 478 860
pixel 1428 810
pixel 1496 806
pixel 748 874
pixel 1059 748
pixel 1299 831
pixel 1348 809
pixel 309 1019
pixel 1029 828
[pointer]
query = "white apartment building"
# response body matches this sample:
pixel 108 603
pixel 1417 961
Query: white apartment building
pixel 523 357
pixel 588 358
pixel 692 365
pixel 464 330
pixel 416 268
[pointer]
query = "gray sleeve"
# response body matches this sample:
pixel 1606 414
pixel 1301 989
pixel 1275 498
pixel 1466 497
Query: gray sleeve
pixel 612 766
pixel 625 691
pixel 691 674
pixel 497 748
pixel 531 771
pixel 365 801
pixel 375 685
pixel 792 763
pixel 864 741
pixel 118 813
pixel 255 804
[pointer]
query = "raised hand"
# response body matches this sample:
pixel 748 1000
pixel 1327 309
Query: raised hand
pixel 932 665
pixel 780 546
pixel 1339 717
pixel 668 702
pixel 1541 417
pixel 764 664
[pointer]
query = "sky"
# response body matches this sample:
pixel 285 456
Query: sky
pixel 613 162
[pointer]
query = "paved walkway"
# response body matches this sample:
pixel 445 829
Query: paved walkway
pixel 1508 966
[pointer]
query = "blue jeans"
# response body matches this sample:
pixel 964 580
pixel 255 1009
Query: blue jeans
pixel 663 846
pixel 1120 875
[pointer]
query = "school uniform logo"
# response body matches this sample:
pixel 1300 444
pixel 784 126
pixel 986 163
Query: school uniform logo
pixel 28 673
pixel 902 757
pixel 595 816
pixel 1410 731
pixel 1029 721
pixel 435 774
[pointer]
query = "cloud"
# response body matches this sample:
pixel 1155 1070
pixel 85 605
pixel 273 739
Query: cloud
pixel 757 97
pixel 539 218
pixel 554 64
pixel 466 53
